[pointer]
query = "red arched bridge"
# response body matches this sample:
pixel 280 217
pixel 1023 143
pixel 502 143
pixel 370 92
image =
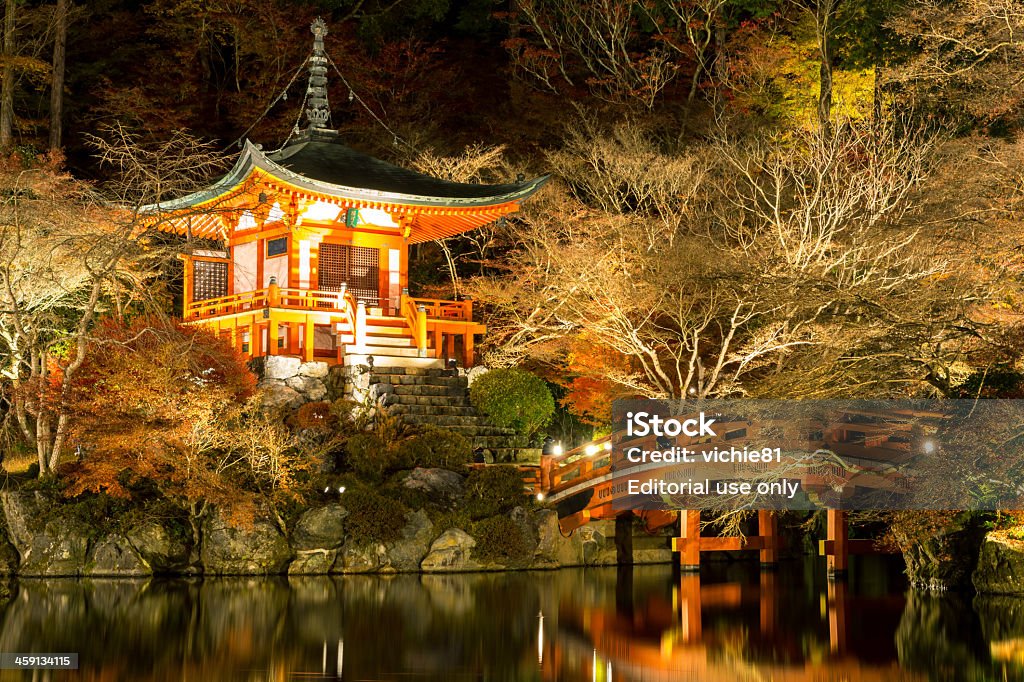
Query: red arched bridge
pixel 857 447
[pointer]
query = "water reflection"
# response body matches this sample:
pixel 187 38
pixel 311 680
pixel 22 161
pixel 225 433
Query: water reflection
pixel 733 622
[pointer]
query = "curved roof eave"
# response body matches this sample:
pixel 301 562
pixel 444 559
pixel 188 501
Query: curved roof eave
pixel 252 157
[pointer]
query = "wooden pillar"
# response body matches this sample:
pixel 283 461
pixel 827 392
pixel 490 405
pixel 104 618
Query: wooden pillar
pixel 624 538
pixel 768 529
pixel 688 542
pixel 451 345
pixel 307 340
pixel 690 608
pixel 186 298
pixel 438 346
pixel 838 533
pixel 293 338
pixel 272 336
pixel 467 341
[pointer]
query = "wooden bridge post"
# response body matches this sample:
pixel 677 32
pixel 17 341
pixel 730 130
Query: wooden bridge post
pixel 688 542
pixel 768 529
pixel 624 539
pixel 837 617
pixel 690 608
pixel 838 534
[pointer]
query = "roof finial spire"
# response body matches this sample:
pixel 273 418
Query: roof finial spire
pixel 318 112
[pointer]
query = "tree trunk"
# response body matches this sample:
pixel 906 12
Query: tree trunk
pixel 7 89
pixel 57 82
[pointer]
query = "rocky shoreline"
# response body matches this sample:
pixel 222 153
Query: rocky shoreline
pixel 36 543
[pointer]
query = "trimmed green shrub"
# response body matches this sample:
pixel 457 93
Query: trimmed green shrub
pixel 494 490
pixel 501 539
pixel 369 457
pixel 513 398
pixel 372 517
pixel 437 448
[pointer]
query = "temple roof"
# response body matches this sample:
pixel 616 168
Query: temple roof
pixel 333 169
pixel 317 165
pixel 333 164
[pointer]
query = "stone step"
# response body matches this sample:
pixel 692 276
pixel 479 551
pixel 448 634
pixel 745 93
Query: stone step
pixel 413 371
pixel 438 400
pixel 388 330
pixel 442 420
pixel 431 409
pixel 380 340
pixel 416 380
pixel 454 394
pixel 394 361
pixel 390 351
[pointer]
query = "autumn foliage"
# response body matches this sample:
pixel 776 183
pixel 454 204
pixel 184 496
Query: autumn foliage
pixel 154 402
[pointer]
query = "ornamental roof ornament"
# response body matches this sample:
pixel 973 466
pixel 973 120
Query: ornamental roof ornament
pixel 318 111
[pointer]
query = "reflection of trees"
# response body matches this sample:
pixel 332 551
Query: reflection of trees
pixel 940 634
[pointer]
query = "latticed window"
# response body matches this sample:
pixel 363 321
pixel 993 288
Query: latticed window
pixel 355 266
pixel 209 280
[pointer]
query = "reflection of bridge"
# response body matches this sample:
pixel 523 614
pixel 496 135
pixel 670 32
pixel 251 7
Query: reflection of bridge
pixel 863 448
pixel 702 634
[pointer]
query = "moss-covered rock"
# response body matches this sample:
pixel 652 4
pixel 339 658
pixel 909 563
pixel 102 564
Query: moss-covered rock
pixel 257 548
pixel 451 552
pixel 1000 568
pixel 46 545
pixel 946 557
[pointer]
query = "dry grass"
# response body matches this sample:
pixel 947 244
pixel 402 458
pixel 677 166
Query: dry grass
pixel 18 462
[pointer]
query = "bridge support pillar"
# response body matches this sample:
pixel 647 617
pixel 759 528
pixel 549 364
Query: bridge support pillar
pixel 838 538
pixel 688 542
pixel 768 529
pixel 624 539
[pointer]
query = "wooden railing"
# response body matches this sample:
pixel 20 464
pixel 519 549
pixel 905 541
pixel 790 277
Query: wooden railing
pixel 438 309
pixel 416 317
pixel 576 465
pixel 225 305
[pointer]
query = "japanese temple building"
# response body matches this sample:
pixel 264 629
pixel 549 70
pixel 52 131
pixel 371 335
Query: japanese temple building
pixel 309 248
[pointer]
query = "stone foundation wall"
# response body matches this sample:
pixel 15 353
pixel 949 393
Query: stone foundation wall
pixel 289 382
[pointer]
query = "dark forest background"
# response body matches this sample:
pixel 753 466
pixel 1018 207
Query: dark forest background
pixel 781 198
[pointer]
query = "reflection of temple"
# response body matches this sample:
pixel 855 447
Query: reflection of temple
pixel 711 630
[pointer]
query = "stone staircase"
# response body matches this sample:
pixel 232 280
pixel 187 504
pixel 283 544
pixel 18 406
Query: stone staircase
pixel 439 397
pixel 390 341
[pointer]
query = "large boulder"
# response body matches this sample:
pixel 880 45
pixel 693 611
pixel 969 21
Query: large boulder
pixel 399 556
pixel 440 485
pixel 946 557
pixel 320 528
pixel 362 558
pixel 553 549
pixel 163 549
pixel 46 545
pixel 1000 568
pixel 114 555
pixel 310 388
pixel 590 545
pixel 313 562
pixel 406 553
pixel 280 367
pixel 277 395
pixel 316 369
pixel 256 548
pixel 451 552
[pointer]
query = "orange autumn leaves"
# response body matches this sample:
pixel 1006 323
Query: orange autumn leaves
pixel 146 406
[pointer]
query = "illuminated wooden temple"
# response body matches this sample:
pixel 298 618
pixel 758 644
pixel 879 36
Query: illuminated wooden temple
pixel 307 248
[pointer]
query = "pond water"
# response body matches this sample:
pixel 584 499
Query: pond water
pixel 733 622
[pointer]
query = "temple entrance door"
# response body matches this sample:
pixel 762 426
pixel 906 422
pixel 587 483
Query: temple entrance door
pixel 356 267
